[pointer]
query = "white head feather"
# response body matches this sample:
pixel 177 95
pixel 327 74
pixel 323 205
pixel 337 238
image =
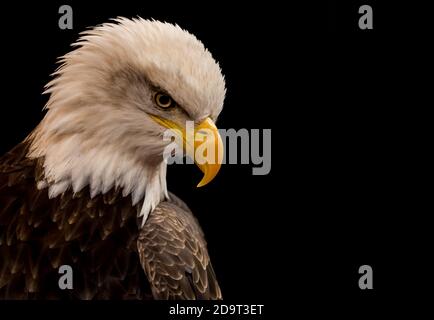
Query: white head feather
pixel 97 131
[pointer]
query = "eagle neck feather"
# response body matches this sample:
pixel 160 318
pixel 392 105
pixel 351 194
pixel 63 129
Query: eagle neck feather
pixel 68 166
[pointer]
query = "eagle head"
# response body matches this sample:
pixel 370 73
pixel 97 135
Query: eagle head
pixel 111 100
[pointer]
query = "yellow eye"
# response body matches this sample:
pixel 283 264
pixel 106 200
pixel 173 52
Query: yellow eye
pixel 164 101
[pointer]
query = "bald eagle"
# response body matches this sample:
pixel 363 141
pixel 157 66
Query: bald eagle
pixel 87 187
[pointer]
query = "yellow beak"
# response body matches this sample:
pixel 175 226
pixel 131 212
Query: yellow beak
pixel 203 144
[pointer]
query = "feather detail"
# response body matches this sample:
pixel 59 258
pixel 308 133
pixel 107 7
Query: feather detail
pixel 173 254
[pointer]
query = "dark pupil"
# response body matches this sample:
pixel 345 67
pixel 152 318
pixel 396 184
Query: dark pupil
pixel 164 100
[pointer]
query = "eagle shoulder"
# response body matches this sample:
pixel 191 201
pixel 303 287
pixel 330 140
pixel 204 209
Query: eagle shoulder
pixel 174 255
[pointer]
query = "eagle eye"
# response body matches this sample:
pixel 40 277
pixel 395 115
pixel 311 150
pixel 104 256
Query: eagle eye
pixel 164 101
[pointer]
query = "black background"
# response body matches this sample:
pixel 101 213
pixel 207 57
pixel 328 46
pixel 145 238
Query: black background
pixel 339 193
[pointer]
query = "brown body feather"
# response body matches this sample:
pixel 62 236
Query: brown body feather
pixel 100 238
